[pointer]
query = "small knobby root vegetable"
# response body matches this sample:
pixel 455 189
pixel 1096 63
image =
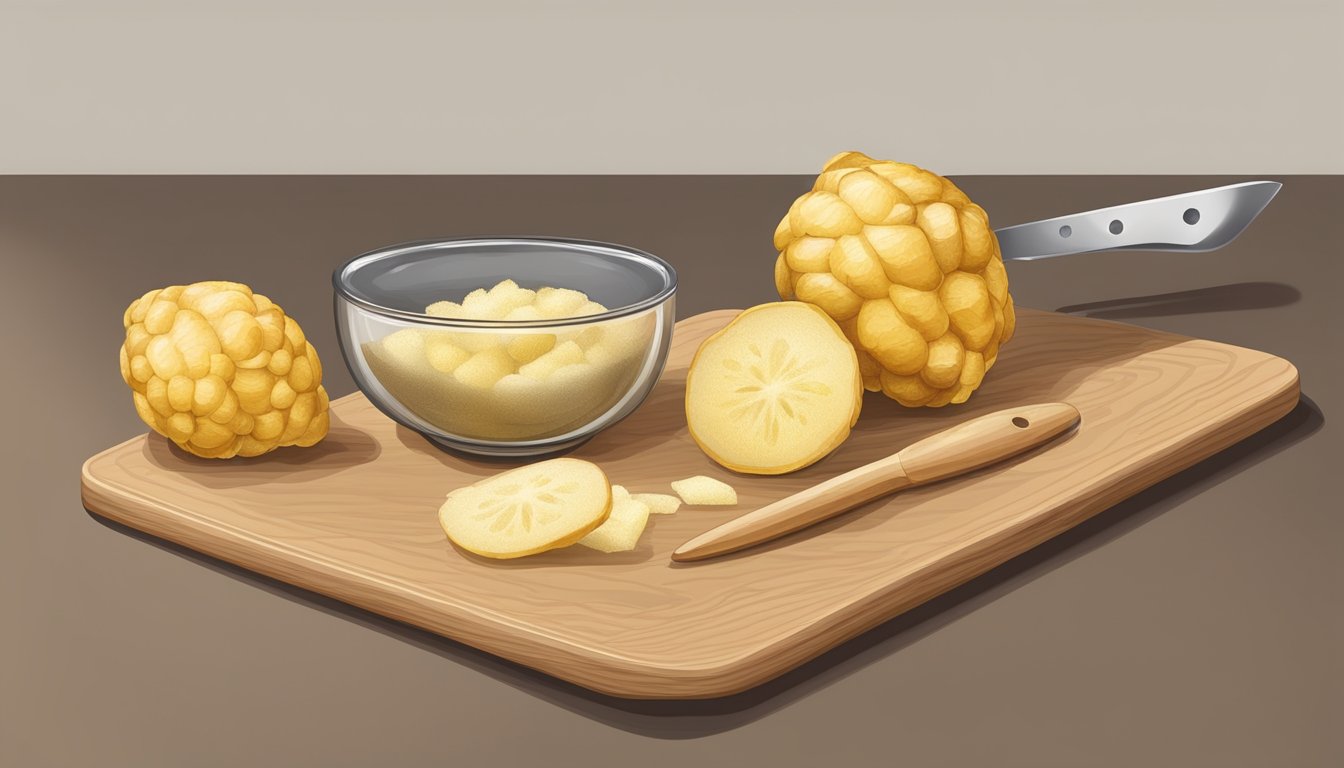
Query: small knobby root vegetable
pixel 222 371
pixel 910 269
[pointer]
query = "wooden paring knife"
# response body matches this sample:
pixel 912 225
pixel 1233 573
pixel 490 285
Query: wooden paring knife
pixel 977 443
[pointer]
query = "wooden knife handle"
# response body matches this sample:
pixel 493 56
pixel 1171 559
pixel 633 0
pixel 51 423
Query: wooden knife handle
pixel 985 440
pixel 963 448
pixel 791 513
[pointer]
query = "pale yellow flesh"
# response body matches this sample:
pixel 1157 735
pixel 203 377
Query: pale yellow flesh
pixel 775 391
pixel 658 503
pixel 523 383
pixel 705 491
pixel 528 510
pixel 622 529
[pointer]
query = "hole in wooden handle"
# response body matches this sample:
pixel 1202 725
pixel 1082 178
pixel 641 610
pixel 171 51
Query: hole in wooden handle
pixel 1018 421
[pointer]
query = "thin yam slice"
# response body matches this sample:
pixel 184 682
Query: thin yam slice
pixel 775 391
pixel 527 510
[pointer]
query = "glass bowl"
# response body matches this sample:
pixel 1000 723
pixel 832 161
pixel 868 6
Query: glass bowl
pixel 467 384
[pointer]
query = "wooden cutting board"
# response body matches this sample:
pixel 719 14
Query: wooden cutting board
pixel 355 517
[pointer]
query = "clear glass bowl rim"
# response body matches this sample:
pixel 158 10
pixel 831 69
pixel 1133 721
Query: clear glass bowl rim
pixel 369 257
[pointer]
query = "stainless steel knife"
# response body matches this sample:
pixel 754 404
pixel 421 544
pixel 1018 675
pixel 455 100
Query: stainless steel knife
pixel 1194 221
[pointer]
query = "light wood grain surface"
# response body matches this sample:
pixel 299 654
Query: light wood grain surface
pixel 354 518
pixel 970 445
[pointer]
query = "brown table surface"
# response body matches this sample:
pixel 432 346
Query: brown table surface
pixel 1198 623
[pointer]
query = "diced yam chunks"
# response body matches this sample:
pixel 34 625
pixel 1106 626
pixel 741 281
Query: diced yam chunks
pixel 405 347
pixel 559 302
pixel 526 347
pixel 483 369
pixel 564 354
pixel 474 341
pixel 508 377
pixel 445 309
pixel 525 313
pixel 443 354
pixel 483 308
pixel 496 303
pixel 571 378
pixel 600 355
pixel 588 308
pixel 589 336
pixel 511 296
pixel 507 301
pixel 658 503
pixel 705 491
pixel 627 336
pixel 623 527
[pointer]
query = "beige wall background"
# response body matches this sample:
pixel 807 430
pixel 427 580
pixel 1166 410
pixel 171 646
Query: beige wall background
pixel 526 86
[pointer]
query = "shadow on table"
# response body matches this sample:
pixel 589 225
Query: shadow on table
pixel 1216 298
pixel 693 719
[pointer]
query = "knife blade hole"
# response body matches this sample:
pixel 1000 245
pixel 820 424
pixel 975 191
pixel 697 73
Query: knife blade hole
pixel 1116 227
pixel 1065 231
pixel 1020 422
pixel 1191 216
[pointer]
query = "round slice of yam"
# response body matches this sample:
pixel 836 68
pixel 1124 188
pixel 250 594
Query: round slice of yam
pixel 775 391
pixel 527 510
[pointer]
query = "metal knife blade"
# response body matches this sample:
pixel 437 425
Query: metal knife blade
pixel 1193 221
